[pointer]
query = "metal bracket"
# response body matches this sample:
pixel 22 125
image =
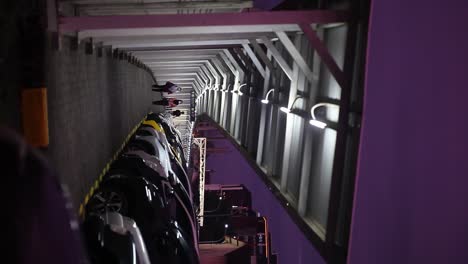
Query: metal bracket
pixel 233 61
pixel 213 72
pixel 261 54
pixel 282 63
pixel 296 55
pixel 239 59
pixel 327 59
pixel 254 59
pixel 206 72
pixel 219 66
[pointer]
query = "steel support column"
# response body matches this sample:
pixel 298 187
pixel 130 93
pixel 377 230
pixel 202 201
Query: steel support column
pixel 278 57
pixel 289 126
pixel 263 116
pixel 254 59
pixel 201 143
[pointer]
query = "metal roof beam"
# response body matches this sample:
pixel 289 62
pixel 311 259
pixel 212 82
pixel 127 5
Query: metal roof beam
pixel 162 7
pixel 173 56
pixel 184 37
pixel 261 54
pixel 135 44
pixel 235 22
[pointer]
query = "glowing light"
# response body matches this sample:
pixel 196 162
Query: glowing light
pixel 317 123
pixel 286 110
pixel 265 101
pixel 314 121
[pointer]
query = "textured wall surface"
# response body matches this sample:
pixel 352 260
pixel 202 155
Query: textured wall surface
pixel 93 104
pixel 410 202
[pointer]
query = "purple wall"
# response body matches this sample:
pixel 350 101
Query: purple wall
pixel 410 203
pixel 267 4
pixel 231 168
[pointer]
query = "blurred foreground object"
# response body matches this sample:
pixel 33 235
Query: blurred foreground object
pixel 39 226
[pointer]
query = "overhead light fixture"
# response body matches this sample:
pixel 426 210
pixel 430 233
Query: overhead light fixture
pixel 227 89
pixel 239 89
pixel 288 109
pixel 314 121
pixel 265 101
pixel 317 123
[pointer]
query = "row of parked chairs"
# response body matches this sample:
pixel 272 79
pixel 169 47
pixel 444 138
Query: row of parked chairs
pixel 142 211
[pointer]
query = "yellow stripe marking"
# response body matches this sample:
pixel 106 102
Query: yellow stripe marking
pixel 107 167
pixel 81 211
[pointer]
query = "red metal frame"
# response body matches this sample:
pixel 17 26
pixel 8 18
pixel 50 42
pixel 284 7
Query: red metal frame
pixel 322 51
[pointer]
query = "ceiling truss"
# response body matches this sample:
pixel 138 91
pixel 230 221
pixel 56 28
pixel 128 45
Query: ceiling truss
pixel 206 52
